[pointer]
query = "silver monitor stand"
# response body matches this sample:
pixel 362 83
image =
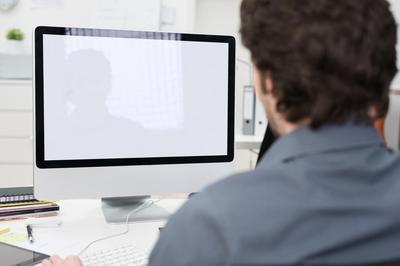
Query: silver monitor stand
pixel 142 208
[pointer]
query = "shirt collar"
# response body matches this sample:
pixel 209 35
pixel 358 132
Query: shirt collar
pixel 304 141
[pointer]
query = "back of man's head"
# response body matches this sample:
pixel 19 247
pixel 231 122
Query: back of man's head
pixel 330 60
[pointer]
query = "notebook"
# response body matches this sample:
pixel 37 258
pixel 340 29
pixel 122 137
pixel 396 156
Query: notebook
pixel 20 202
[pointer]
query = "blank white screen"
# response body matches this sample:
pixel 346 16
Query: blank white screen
pixel 134 98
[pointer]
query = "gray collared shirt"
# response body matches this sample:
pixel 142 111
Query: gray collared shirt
pixel 318 197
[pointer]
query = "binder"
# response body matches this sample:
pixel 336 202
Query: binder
pixel 260 123
pixel 20 202
pixel 248 110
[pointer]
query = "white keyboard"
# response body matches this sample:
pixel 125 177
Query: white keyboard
pixel 120 256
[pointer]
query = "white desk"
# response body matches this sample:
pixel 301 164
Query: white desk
pixel 83 222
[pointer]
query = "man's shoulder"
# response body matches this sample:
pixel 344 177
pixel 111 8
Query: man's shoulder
pixel 241 184
pixel 240 191
pixel 242 201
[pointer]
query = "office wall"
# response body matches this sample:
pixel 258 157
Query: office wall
pixel 122 14
pixel 185 15
pixel 393 119
pixel 392 123
pixel 395 5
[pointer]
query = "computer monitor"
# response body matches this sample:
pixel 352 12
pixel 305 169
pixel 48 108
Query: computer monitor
pixel 128 113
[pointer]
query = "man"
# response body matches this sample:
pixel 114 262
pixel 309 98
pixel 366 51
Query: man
pixel 328 191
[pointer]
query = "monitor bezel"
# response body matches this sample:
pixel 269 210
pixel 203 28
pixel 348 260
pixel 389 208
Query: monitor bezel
pixel 39 98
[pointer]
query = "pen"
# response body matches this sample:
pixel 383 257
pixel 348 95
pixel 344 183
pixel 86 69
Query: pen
pixel 30 235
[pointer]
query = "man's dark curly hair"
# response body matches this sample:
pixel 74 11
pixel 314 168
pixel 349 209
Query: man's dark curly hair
pixel 330 60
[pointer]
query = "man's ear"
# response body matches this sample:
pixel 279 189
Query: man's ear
pixel 268 91
pixel 267 84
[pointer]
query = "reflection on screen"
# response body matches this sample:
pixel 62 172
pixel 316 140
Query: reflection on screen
pixel 133 98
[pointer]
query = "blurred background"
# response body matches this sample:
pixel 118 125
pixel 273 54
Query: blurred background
pixel 18 18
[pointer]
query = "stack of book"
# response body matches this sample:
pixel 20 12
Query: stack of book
pixel 17 205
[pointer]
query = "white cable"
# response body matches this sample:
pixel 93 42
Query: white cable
pixel 145 205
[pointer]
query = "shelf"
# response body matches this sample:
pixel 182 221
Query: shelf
pixel 15 81
pixel 248 142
